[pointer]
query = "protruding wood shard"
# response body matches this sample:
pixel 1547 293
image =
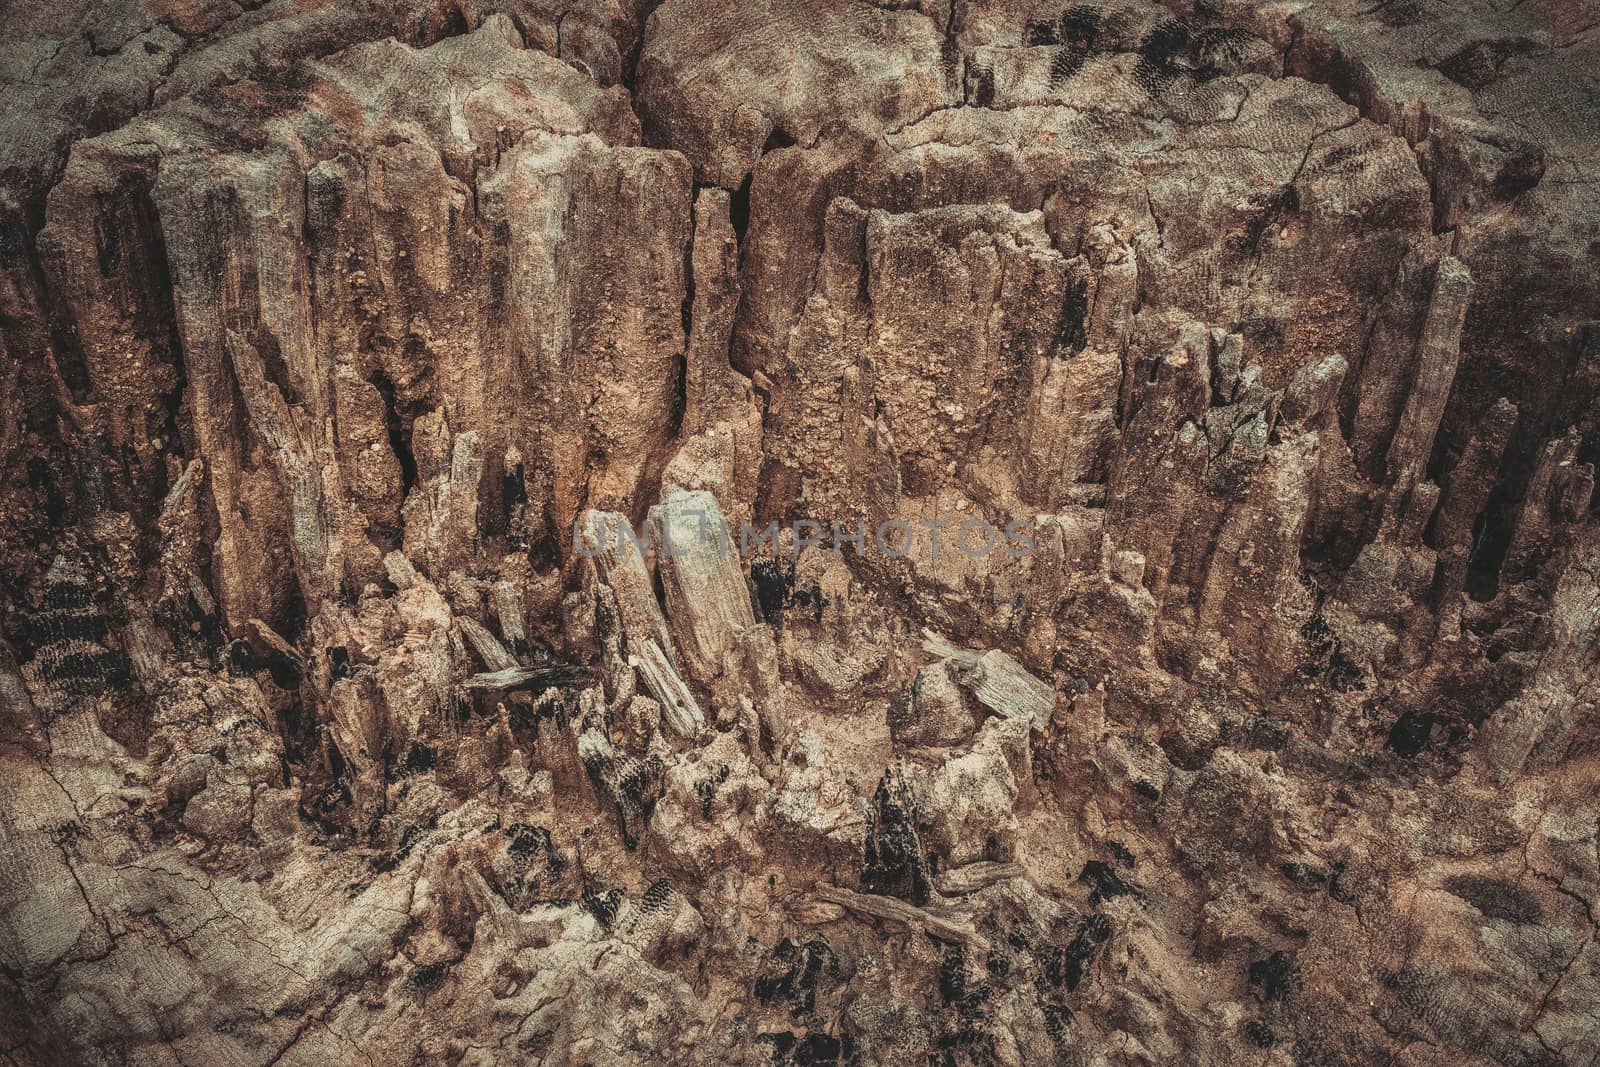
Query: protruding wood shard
pixel 486 645
pixel 975 876
pixel 1534 726
pixel 1438 351
pixel 678 706
pixel 707 601
pixel 998 681
pixel 894 910
pixel 619 563
pixel 720 645
pixel 528 679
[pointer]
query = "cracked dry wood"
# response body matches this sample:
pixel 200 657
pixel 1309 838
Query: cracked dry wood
pixel 327 329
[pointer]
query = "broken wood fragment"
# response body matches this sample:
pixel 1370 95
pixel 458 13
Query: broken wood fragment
pixel 678 706
pixel 707 601
pixel 998 681
pixel 960 881
pixel 486 645
pixel 526 679
pixel 893 910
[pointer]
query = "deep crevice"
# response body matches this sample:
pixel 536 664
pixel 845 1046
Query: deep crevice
pixel 399 431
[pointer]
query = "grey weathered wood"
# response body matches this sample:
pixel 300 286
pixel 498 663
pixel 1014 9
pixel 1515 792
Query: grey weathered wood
pixel 1314 389
pixel 708 603
pixel 893 910
pixel 513 678
pixel 508 608
pixel 679 709
pixel 1438 352
pixel 998 681
pixel 975 876
pixel 486 645
pixel 619 564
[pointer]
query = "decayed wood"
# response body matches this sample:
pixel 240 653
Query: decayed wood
pixel 975 876
pixel 707 600
pixel 998 681
pixel 441 299
pixel 290 445
pixel 619 564
pixel 145 645
pixel 893 910
pixel 508 609
pixel 678 706
pixel 486 645
pixel 179 524
pixel 441 513
pixel 520 678
pixel 1438 352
